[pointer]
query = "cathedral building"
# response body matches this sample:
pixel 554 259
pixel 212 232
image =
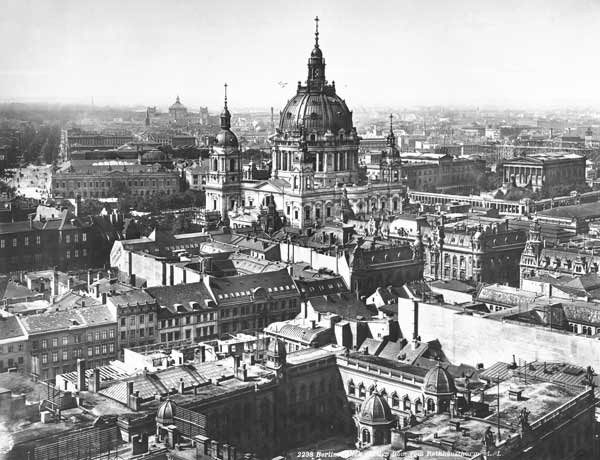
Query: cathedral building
pixel 315 173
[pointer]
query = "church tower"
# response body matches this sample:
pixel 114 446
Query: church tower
pixel 225 173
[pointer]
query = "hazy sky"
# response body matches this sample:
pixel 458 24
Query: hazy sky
pixel 388 53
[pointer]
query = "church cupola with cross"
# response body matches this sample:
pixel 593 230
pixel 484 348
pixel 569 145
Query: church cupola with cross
pixel 225 170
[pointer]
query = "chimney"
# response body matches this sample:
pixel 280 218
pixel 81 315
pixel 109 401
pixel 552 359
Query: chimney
pixel 104 298
pixel 313 324
pixel 97 291
pixel 129 389
pixel 132 279
pixel 89 279
pixel 181 386
pixel 415 319
pixel 95 383
pixel 81 375
pixel 244 373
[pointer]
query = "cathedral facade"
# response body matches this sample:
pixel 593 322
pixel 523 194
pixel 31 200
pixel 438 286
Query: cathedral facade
pixel 315 174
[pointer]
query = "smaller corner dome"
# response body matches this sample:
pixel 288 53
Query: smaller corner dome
pixel 316 52
pixel 226 138
pixel 166 412
pixel 438 381
pixel 375 410
pixel 276 348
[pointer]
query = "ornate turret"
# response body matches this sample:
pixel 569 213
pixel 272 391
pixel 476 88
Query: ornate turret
pixel 226 138
pixel 316 63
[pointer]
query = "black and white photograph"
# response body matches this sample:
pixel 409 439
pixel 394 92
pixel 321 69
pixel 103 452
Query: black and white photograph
pixel 311 230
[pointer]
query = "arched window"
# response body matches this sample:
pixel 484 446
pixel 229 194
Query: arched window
pixel 395 400
pixel 361 391
pixel 351 388
pixel 406 403
pixel 371 389
pixel 232 165
pixel 215 165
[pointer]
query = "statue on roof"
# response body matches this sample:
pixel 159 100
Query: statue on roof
pixel 488 438
pixel 524 419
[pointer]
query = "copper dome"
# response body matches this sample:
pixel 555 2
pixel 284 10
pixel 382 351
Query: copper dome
pixel 226 138
pixel 438 381
pixel 320 111
pixel 166 412
pixel 375 411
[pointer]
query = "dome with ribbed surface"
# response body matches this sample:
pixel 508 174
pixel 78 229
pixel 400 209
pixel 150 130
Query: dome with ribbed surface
pixel 438 382
pixel 226 138
pixel 320 111
pixel 375 411
pixel 166 412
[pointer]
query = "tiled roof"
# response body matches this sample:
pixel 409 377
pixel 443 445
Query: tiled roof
pixel 506 295
pixel 180 294
pixel 343 304
pixel 243 288
pixel 10 328
pixel 64 319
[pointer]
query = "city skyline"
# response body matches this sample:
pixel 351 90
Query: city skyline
pixel 432 54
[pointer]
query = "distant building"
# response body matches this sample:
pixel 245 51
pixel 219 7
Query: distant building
pixel 547 172
pixel 178 112
pixel 109 178
pixel 13 344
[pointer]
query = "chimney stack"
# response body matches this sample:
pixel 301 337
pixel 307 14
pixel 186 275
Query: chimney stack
pixel 415 319
pixel 104 298
pixel 81 375
pixel 89 279
pixel 181 386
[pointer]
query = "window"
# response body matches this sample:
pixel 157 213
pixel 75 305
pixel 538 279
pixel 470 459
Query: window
pixel 150 317
pixel 151 331
pixel 141 319
pixel 123 335
pixel 38 240
pixel 65 340
pixel 67 239
pixel 122 321
pixel 44 358
pixel 76 253
pixel 90 337
pixel 44 343
pixel 14 242
pixel 97 350
pixel 111 347
pixel 104 349
pixel 97 336
pixel 90 351
pixel 68 254
pixel 26 241
pixel 2 244
pixel 142 332
pixel 111 334
pixel 55 356
pixel 84 236
pixel 65 355
pixel 55 342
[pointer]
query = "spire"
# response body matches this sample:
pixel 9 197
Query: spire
pixel 316 63
pixel 147 121
pixel 391 138
pixel 177 101
pixel 225 115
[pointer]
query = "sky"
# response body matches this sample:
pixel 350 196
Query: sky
pixel 398 53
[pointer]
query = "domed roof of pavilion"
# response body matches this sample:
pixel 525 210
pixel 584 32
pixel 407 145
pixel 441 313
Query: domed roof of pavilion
pixel 438 381
pixel 375 410
pixel 166 412
pixel 226 138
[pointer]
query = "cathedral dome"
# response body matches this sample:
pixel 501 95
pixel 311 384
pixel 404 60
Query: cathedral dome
pixel 438 382
pixel 375 410
pixel 316 111
pixel 166 412
pixel 177 105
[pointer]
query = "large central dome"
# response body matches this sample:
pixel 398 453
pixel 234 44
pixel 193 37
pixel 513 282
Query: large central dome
pixel 316 107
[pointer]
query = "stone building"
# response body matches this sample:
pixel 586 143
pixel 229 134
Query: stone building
pixel 314 162
pixel 177 111
pixel 539 258
pixel 63 241
pixel 57 339
pixel 109 178
pixel 545 172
